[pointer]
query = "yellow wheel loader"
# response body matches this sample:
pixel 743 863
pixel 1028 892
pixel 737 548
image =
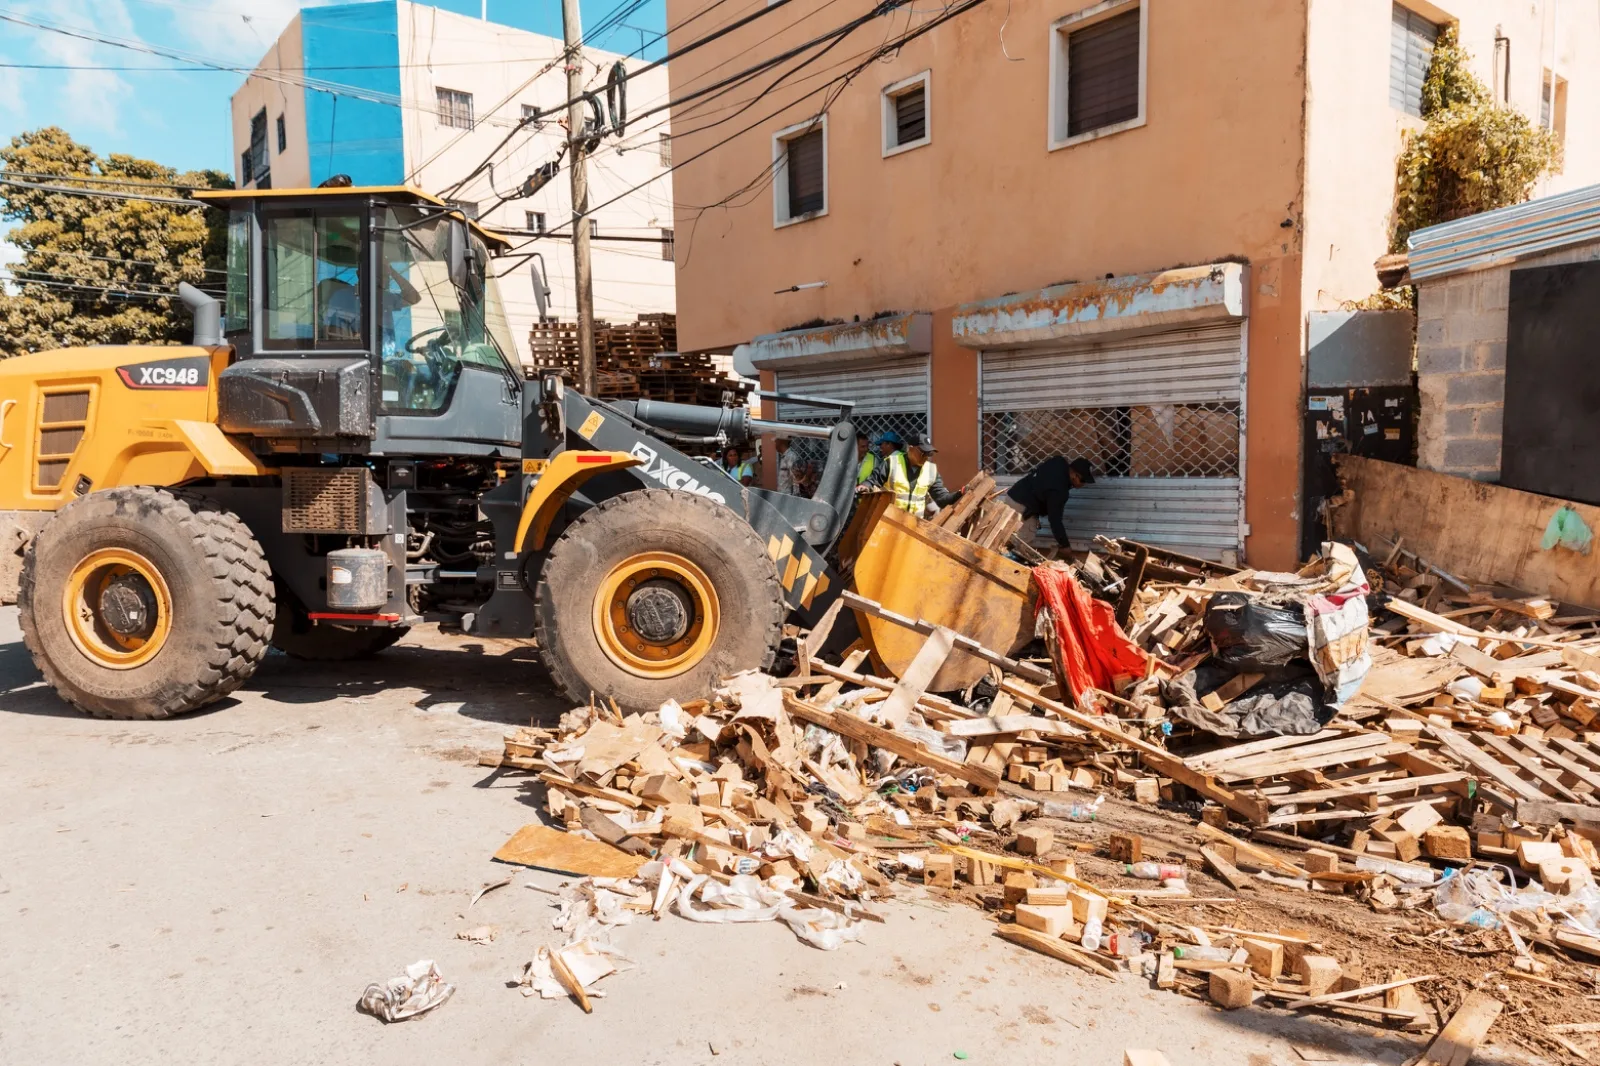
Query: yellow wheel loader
pixel 348 444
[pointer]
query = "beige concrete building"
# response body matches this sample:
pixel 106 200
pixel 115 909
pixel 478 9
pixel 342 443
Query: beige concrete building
pixel 1092 228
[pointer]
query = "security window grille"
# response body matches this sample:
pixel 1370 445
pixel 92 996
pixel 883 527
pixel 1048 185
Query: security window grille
pixel 455 108
pixel 1103 73
pixel 908 424
pixel 1151 441
pixel 535 221
pixel 256 163
pixel 667 245
pixel 283 136
pixel 664 146
pixel 1411 41
pixel 910 116
pixel 803 164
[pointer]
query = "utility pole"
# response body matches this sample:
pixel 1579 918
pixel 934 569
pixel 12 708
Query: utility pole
pixel 572 32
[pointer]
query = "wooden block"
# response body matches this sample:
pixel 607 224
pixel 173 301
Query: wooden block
pixel 1266 957
pixel 1034 840
pixel 1231 989
pixel 1083 777
pixel 1216 817
pixel 939 870
pixel 811 820
pixel 1320 862
pixel 708 793
pixel 1126 847
pixel 1495 838
pixel 1530 853
pixel 979 873
pixel 852 830
pixel 1404 845
pixel 1051 921
pixel 1053 895
pixel 1147 790
pixel 1141 1057
pixel 1494 695
pixel 1575 846
pixel 1451 843
pixel 1041 780
pixel 664 789
pixel 682 820
pixel 1564 874
pixel 1419 818
pixel 1065 867
pixel 1319 973
pixel 1017 884
pixel 1166 971
pixel 1405 998
pixel 1087 905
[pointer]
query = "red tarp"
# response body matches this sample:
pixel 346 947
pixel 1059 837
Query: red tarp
pixel 1094 650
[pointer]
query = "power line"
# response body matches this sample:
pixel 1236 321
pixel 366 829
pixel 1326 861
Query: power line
pixel 100 192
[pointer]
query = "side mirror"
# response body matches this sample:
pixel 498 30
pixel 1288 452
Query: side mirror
pixel 458 253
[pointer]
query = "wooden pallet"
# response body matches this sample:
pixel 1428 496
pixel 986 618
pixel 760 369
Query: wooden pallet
pixel 1338 774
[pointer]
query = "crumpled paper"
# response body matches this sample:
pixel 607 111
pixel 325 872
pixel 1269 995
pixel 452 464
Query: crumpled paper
pixel 587 960
pixel 421 988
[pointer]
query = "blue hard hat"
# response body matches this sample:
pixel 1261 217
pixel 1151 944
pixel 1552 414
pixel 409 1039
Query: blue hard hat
pixel 890 437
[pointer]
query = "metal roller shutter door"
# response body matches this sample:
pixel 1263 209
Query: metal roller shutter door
pixel 1160 416
pixel 892 394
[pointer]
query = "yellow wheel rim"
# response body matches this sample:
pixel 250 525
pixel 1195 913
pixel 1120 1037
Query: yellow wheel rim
pixel 656 614
pixel 117 608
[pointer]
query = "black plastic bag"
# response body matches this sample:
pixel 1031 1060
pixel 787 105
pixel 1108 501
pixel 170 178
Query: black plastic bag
pixel 1251 635
pixel 1287 702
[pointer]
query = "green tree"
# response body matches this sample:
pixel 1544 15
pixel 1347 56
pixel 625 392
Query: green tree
pixel 1472 155
pixel 95 269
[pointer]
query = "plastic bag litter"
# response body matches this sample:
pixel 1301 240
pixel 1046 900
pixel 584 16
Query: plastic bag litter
pixel 1473 896
pixel 821 928
pixel 1248 634
pixel 1465 688
pixel 421 988
pixel 587 960
pixel 1567 530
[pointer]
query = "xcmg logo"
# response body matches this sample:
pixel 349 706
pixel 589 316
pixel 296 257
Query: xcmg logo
pixel 659 469
pixel 191 373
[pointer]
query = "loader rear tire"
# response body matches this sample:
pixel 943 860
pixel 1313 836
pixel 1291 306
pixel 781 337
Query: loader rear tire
pixel 656 595
pixel 145 603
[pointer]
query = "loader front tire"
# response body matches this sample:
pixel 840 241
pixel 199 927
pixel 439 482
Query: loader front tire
pixel 656 595
pixel 145 603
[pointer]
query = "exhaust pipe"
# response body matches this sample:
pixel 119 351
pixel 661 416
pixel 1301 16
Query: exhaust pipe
pixel 207 314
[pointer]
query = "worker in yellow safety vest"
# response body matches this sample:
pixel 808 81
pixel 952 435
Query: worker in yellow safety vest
pixel 913 477
pixel 866 461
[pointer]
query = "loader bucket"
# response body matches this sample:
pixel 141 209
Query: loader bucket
pixel 914 568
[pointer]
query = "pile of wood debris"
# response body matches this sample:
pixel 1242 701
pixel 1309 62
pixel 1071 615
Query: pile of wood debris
pixel 815 794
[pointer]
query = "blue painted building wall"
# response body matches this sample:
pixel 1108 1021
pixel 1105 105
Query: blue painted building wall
pixel 357 46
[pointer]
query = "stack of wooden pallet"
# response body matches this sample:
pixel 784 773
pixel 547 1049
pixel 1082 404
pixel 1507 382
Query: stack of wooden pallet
pixel 983 517
pixel 637 360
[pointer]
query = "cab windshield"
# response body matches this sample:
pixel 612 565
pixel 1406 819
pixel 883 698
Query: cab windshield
pixel 429 329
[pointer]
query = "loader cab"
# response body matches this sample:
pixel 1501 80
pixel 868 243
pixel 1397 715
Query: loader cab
pixel 365 321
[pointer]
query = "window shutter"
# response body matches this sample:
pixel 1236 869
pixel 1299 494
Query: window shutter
pixel 667 245
pixel 664 145
pixel 1103 74
pixel 1411 42
pixel 805 173
pixel 911 116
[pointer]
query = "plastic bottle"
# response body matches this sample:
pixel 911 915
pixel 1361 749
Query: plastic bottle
pixel 1085 812
pixel 1091 934
pixel 1210 954
pixel 1152 871
pixel 1126 945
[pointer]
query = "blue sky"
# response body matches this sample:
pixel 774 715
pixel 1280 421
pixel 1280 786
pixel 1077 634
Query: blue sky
pixel 180 117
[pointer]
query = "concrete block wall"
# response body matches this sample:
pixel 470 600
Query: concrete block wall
pixel 1461 364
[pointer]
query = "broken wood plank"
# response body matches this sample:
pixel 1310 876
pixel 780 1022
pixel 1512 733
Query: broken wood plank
pixel 1548 812
pixel 1056 948
pixel 1261 856
pixel 1464 750
pixel 848 725
pixel 1355 993
pixel 1227 872
pixel 551 849
pixel 1463 1032
pixel 914 681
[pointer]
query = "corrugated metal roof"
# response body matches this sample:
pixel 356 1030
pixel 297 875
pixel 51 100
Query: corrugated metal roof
pixel 1506 235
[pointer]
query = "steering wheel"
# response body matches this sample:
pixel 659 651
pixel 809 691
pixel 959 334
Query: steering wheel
pixel 414 345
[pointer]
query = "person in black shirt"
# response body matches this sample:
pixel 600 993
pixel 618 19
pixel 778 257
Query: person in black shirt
pixel 1043 491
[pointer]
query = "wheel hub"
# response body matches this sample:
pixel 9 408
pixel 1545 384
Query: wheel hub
pixel 659 611
pixel 128 606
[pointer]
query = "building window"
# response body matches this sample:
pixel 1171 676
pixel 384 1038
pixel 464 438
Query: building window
pixel 455 108
pixel 664 146
pixel 255 164
pixel 283 136
pixel 905 114
pixel 529 112
pixel 800 172
pixel 535 221
pixel 594 228
pixel 667 245
pixel 466 207
pixel 1553 104
pixel 1097 72
pixel 1411 41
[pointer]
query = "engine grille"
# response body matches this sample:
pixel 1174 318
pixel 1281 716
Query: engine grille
pixel 325 501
